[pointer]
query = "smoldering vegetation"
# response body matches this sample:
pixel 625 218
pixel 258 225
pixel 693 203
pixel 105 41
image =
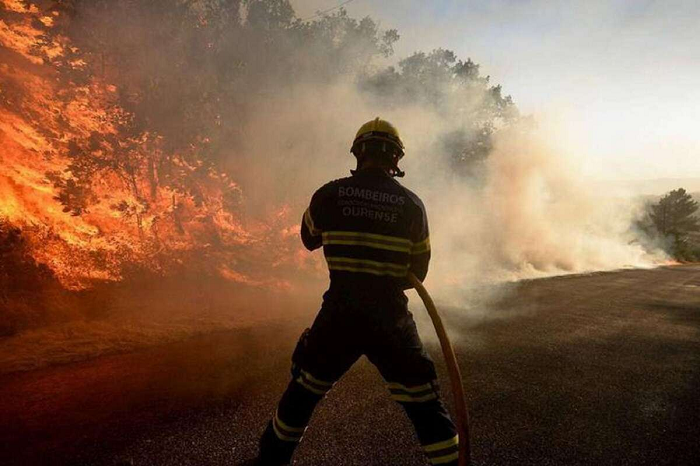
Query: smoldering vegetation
pixel 181 139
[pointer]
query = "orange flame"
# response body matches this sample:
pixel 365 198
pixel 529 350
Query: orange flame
pixel 134 220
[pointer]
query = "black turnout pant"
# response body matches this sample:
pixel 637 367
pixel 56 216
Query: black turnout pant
pixel 347 327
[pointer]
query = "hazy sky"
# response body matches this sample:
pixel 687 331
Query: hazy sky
pixel 620 78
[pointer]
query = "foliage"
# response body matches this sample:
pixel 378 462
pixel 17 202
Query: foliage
pixel 453 87
pixel 184 71
pixel 27 289
pixel 674 217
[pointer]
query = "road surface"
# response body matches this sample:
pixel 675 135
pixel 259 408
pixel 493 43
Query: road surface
pixel 599 369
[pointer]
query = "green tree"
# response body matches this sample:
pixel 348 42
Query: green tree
pixel 674 216
pixel 441 81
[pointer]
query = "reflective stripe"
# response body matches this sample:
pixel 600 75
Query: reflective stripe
pixel 421 247
pixel 414 398
pixel 312 384
pixel 310 223
pixel 373 240
pixel 309 387
pixel 287 427
pixel 414 388
pixel 349 241
pixel 385 239
pixel 315 380
pixel 281 436
pixel 285 432
pixel 413 394
pixel 443 452
pixel 445 459
pixel 442 445
pixel 367 266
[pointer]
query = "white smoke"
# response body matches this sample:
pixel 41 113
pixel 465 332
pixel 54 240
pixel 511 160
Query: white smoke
pixel 535 216
pixel 532 214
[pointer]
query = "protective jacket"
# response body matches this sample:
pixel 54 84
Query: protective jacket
pixel 372 229
pixel 373 232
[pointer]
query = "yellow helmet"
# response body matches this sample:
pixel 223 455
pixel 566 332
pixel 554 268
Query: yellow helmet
pixel 378 130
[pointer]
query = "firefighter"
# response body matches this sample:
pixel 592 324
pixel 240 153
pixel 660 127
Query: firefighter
pixel 373 232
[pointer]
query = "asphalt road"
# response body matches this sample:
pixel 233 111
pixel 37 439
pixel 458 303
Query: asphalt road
pixel 600 369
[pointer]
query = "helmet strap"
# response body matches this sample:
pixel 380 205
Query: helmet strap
pixel 393 170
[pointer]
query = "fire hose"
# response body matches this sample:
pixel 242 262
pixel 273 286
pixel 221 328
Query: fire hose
pixel 453 371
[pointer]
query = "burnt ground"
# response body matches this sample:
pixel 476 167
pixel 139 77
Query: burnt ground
pixel 600 369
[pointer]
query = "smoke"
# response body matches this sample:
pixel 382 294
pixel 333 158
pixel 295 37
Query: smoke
pixel 529 214
pixel 537 216
pixel 273 110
